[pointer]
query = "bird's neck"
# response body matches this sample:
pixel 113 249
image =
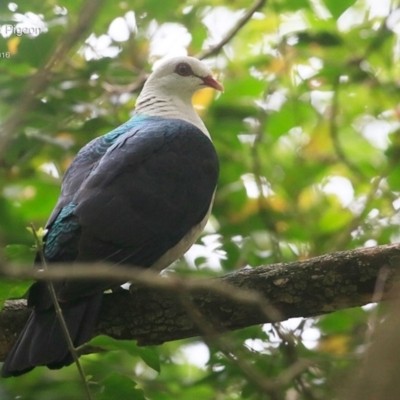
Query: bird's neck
pixel 162 105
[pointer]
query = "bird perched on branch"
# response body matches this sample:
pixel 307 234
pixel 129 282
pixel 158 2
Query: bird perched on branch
pixel 139 195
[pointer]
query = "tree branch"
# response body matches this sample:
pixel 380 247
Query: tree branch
pixel 153 312
pixel 257 5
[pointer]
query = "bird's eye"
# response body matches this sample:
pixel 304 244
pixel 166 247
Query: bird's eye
pixel 183 69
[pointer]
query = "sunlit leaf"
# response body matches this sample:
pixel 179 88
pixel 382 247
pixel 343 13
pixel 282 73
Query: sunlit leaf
pixel 336 344
pixel 336 8
pixel 117 386
pixel 12 45
pixel 394 178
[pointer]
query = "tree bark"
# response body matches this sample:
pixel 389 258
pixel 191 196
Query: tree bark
pixel 243 298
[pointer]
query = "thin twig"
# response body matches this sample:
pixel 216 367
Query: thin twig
pixel 210 337
pixel 345 236
pixel 62 143
pixel 295 365
pixel 257 5
pixel 60 316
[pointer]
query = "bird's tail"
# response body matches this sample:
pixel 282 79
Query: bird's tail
pixel 42 341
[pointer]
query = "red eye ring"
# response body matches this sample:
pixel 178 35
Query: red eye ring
pixel 183 69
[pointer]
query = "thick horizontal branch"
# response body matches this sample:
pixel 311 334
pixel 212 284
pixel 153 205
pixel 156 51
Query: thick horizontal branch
pixel 156 310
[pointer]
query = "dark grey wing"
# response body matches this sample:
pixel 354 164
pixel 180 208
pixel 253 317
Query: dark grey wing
pixel 84 162
pixel 143 197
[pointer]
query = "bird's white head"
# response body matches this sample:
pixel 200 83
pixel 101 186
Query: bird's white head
pixel 183 75
pixel 169 89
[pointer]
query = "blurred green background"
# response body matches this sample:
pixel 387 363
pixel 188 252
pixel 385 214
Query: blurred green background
pixel 307 133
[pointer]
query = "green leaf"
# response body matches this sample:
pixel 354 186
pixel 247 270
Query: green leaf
pixel 12 289
pixel 19 253
pixel 148 354
pixel 151 357
pixel 334 220
pixel 338 7
pixel 291 5
pixel 117 387
pixel 394 178
pixel 323 38
pixel 342 321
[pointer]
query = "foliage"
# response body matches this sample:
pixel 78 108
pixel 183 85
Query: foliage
pixel 307 135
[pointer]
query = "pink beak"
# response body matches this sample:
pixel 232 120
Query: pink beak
pixel 210 81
